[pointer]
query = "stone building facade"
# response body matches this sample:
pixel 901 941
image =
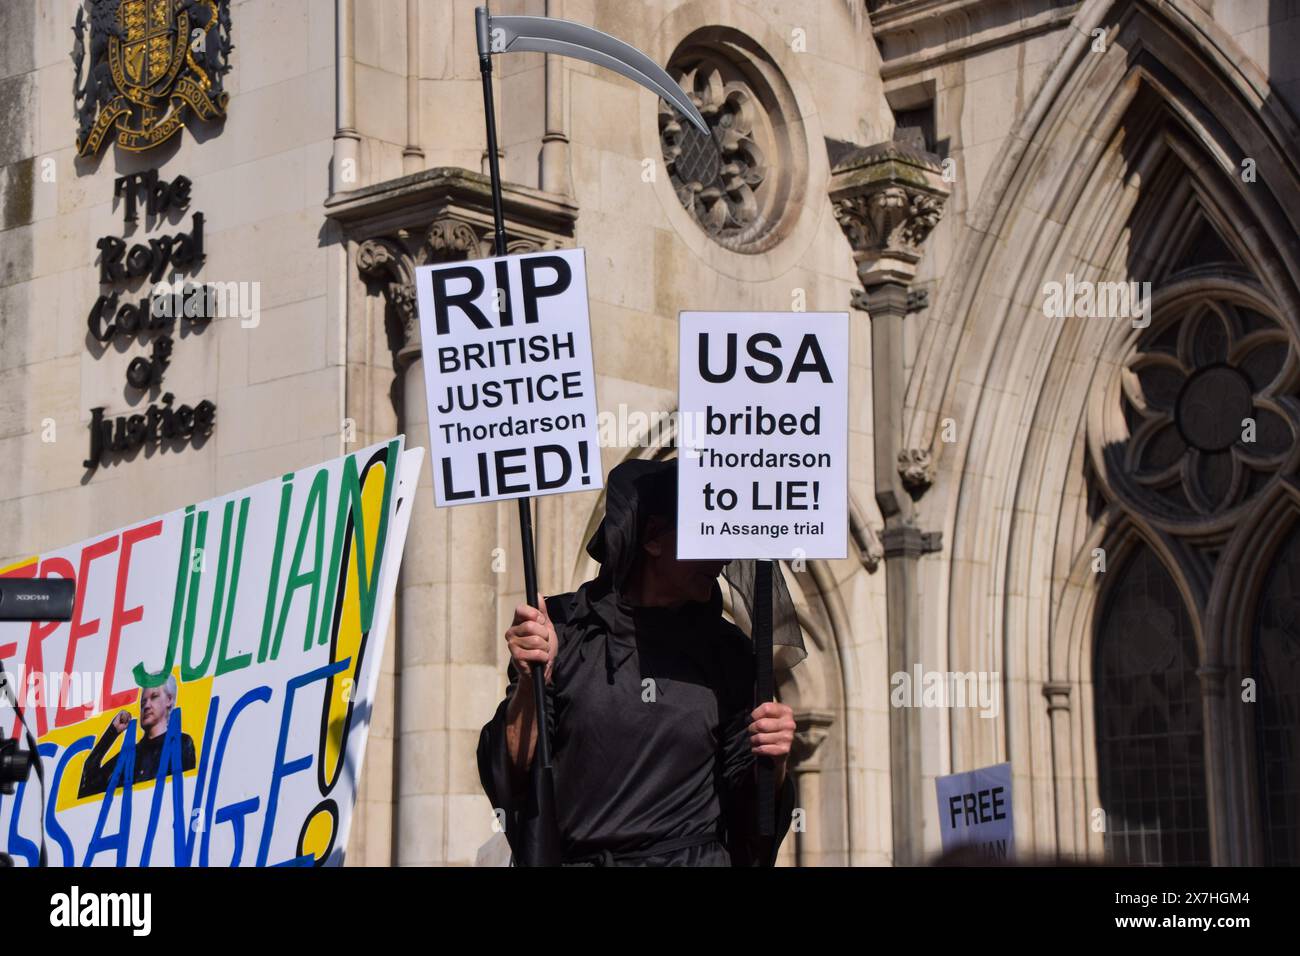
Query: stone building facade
pixel 1069 507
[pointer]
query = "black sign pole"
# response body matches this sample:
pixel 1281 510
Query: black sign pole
pixel 761 628
pixel 559 38
pixel 545 850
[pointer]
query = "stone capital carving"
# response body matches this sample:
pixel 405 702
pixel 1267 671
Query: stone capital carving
pixel 449 238
pixel 906 540
pixel 887 198
pixel 386 260
pixel 811 728
pixel 1057 694
pixel 870 549
pixel 916 469
pixel 392 260
pixel 439 215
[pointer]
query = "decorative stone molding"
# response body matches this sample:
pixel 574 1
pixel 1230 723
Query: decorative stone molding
pixel 884 300
pixel 917 300
pixel 1199 420
pixel 451 238
pixel 909 541
pixel 811 728
pixel 916 469
pixel 387 260
pixel 1213 680
pixel 870 550
pixel 1057 694
pixel 391 261
pixel 716 180
pixel 887 198
pixel 742 184
pixel 439 215
pixel 918 35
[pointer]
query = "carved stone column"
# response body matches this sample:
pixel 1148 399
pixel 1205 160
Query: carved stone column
pixel 1057 694
pixel 808 839
pixel 413 154
pixel 448 677
pixel 344 174
pixel 1232 842
pixel 887 198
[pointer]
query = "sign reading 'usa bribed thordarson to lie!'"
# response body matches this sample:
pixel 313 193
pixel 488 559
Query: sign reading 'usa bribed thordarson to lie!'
pixel 509 377
pixel 764 435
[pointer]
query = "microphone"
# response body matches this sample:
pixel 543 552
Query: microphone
pixel 15 764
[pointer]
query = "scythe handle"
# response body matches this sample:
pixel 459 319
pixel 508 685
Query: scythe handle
pixel 762 630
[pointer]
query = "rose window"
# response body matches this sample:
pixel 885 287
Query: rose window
pixel 1209 403
pixel 736 182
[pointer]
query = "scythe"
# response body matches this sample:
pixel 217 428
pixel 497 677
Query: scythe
pixel 540 844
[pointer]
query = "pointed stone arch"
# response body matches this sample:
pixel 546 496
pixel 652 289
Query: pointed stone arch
pixel 1231 630
pixel 1169 110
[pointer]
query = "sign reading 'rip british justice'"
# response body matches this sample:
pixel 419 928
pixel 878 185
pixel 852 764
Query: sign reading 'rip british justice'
pixel 509 377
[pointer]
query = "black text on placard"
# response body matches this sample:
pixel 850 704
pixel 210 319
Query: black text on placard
pixel 764 435
pixel 509 377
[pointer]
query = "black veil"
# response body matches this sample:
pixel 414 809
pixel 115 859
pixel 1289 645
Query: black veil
pixel 638 489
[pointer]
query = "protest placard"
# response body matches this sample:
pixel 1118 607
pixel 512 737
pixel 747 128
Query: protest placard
pixel 763 400
pixel 509 377
pixel 975 810
pixel 209 701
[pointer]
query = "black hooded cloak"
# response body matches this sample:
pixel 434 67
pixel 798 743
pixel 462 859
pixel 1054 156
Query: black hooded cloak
pixel 648 713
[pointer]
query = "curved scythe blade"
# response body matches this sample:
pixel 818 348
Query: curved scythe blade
pixel 566 38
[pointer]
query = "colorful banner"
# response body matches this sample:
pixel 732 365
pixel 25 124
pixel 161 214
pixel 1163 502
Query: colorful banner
pixel 209 701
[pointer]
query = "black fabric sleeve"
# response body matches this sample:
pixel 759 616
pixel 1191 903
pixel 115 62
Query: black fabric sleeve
pixel 739 779
pixel 740 799
pixel 508 791
pixel 95 774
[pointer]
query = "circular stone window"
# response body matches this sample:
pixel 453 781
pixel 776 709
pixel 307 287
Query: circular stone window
pixel 1207 412
pixel 742 183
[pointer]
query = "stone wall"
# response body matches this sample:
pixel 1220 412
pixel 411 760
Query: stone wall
pixel 260 181
pixel 336 139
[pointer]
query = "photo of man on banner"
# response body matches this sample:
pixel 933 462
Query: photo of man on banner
pixel 156 706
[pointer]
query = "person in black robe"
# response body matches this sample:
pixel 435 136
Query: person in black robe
pixel 649 702
pixel 156 705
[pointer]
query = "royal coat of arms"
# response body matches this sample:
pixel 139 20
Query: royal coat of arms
pixel 151 63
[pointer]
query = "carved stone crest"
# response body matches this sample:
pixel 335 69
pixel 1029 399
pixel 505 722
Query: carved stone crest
pixel 152 64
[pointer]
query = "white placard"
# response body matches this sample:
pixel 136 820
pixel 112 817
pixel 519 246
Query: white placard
pixel 509 378
pixel 763 400
pixel 975 810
